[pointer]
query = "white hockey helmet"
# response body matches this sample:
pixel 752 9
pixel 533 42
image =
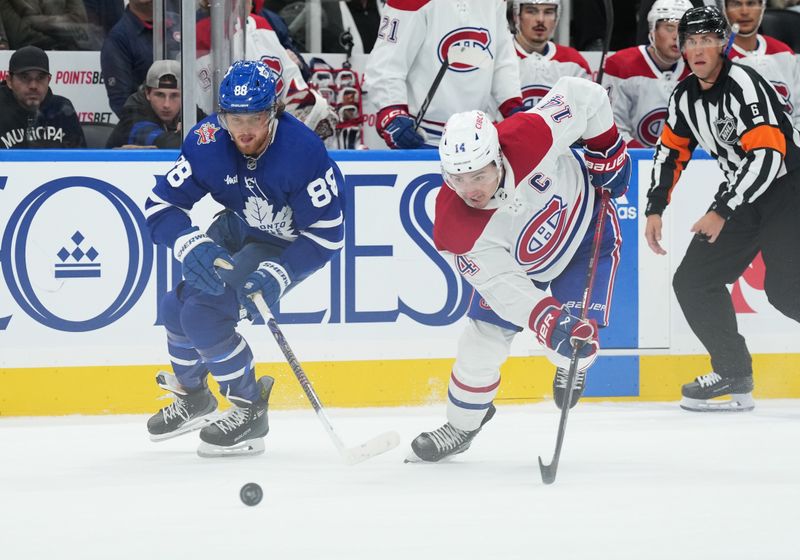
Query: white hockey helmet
pixel 469 143
pixel 666 10
pixel 517 6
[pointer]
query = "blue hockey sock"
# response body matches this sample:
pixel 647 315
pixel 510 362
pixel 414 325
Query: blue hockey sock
pixel 231 364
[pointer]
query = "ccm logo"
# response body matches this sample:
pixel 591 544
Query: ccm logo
pixel 606 165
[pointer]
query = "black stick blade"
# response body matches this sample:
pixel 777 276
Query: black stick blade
pixel 548 472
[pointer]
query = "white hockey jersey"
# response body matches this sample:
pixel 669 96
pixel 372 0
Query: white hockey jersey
pixel 263 45
pixel 543 208
pixel 414 38
pixel 778 63
pixel 639 92
pixel 539 72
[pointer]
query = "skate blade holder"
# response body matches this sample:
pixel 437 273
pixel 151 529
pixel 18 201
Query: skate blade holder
pixel 735 402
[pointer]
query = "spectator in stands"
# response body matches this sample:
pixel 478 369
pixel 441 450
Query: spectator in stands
pixel 104 13
pixel 31 116
pixel 48 24
pixel 4 46
pixel 128 51
pixel 541 61
pixel 152 115
pixel 640 79
pixel 773 59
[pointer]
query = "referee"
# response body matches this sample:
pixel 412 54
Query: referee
pixel 737 117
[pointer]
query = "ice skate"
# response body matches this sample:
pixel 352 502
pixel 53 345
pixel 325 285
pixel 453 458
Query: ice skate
pixel 189 411
pixel 560 387
pixel 241 429
pixel 714 393
pixel 446 441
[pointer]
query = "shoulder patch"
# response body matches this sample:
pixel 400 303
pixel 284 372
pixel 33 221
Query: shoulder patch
pixel 407 5
pixel 206 133
pixel 456 226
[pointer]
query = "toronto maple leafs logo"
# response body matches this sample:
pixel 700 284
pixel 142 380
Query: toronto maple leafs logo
pixel 261 215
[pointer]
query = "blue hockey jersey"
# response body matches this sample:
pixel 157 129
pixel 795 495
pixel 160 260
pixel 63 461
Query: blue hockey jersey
pixel 287 197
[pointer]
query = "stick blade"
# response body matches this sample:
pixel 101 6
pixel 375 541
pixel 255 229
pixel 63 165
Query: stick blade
pixel 376 446
pixel 548 472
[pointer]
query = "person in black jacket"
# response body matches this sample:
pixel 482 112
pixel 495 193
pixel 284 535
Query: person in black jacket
pixel 31 116
pixel 128 51
pixel 152 115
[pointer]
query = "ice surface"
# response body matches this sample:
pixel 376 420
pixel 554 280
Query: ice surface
pixel 636 480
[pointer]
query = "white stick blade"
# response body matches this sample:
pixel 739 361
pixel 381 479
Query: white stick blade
pixel 372 448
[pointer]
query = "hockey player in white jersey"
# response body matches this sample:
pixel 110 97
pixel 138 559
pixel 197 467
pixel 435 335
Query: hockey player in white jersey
pixel 516 212
pixel 414 38
pixel 541 61
pixel 640 79
pixel 773 59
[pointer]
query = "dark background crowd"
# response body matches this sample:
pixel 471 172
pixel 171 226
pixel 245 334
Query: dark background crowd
pixel 123 33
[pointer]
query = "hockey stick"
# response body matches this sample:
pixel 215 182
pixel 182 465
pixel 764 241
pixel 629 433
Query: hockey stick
pixel 549 471
pixel 608 7
pixel 469 56
pixel 352 455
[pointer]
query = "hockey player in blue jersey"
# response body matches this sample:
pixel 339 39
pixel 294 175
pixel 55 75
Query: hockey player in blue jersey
pixel 283 220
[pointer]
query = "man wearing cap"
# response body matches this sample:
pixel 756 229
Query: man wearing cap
pixel 152 115
pixel 31 116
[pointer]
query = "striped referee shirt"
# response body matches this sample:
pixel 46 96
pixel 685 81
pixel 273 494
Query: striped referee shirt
pixel 741 123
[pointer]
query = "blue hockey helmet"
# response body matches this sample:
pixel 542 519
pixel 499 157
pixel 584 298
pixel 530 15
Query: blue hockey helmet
pixel 248 87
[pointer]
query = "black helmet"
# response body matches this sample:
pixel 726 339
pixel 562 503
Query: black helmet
pixel 706 19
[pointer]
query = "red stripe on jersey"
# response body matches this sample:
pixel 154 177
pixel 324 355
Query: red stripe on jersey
pixel 525 139
pixel 457 226
pixel 407 5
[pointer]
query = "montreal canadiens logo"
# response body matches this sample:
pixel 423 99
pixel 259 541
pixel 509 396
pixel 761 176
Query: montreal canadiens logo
pixel 651 125
pixel 543 234
pixel 469 37
pixel 274 64
pixel 786 95
pixel 532 94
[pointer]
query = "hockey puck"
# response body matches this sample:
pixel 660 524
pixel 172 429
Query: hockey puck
pixel 251 494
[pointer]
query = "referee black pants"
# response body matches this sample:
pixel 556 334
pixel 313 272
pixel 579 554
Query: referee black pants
pixel 771 225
